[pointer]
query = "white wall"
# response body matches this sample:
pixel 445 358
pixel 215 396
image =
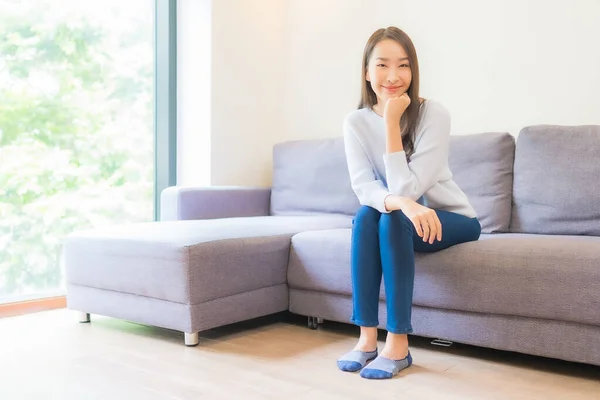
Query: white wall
pixel 230 110
pixel 247 89
pixel 497 66
pixel 290 69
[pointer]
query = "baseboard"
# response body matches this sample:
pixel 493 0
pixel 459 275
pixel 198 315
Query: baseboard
pixel 32 306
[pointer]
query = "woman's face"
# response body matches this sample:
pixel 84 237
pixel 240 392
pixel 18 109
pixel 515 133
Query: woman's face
pixel 388 70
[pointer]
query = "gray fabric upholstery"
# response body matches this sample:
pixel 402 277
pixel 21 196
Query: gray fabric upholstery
pixel 179 203
pixel 569 341
pixel 556 190
pixel 311 177
pixel 182 317
pixel 130 307
pixel 188 261
pixel 482 166
pixel 557 277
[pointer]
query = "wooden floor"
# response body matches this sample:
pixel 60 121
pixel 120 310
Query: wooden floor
pixel 49 355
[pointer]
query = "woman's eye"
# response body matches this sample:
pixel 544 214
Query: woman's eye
pixel 404 66
pixel 381 65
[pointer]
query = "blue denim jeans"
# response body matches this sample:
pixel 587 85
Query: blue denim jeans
pixel 384 245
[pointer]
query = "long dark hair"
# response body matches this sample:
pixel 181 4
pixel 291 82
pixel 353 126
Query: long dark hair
pixel 368 97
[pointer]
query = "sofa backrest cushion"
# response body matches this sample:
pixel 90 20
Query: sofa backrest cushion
pixel 311 177
pixel 557 180
pixel 482 166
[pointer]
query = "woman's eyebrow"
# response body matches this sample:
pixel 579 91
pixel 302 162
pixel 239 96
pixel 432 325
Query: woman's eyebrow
pixel 387 59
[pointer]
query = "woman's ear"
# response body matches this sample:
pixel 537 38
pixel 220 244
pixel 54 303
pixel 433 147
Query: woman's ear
pixel 367 77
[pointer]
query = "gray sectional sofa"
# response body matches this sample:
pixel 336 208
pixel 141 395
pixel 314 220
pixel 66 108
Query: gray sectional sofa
pixel 219 255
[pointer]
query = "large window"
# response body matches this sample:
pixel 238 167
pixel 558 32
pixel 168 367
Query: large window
pixel 77 120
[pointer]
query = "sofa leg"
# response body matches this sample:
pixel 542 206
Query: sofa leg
pixel 312 323
pixel 83 317
pixel 191 339
pixel 320 321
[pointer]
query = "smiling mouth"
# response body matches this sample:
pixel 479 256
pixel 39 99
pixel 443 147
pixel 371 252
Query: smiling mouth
pixel 391 88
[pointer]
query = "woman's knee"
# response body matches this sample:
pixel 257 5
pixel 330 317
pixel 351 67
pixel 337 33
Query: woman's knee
pixel 396 217
pixel 475 230
pixel 366 214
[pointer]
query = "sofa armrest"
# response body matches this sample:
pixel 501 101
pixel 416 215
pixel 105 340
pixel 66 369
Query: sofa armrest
pixel 187 203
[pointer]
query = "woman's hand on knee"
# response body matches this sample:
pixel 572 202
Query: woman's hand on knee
pixel 425 220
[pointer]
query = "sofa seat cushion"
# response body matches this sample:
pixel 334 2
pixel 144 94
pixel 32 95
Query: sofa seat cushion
pixel 188 262
pixel 552 277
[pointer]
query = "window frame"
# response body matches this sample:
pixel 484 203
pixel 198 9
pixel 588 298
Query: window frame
pixel 165 99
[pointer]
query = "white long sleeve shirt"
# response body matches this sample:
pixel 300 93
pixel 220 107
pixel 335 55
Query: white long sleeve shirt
pixel 375 174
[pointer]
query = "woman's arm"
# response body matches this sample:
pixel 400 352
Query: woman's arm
pixel 369 190
pixel 413 179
